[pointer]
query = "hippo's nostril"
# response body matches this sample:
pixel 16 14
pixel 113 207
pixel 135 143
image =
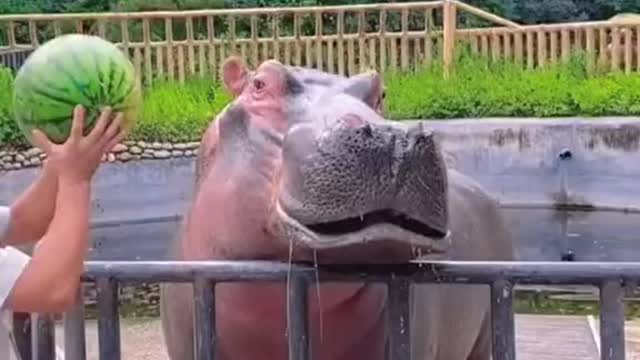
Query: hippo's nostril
pixel 367 130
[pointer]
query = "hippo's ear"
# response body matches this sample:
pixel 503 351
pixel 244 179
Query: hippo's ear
pixel 366 87
pixel 234 75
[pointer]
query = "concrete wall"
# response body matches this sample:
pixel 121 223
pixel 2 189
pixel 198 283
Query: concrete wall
pixel 533 166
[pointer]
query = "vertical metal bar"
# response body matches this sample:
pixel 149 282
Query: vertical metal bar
pixel 74 336
pixel 502 320
pixel 297 326
pixel 108 320
pixel 400 346
pixel 22 334
pixel 611 321
pixel 43 338
pixel 204 320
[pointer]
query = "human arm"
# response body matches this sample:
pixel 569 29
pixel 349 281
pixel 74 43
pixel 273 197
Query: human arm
pixel 33 211
pixel 51 279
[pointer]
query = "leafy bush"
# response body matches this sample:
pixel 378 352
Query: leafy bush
pixel 477 88
pixel 174 112
pixel 166 5
pixel 9 132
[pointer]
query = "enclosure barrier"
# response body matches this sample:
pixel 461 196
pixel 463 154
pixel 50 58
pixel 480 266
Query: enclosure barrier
pixel 176 45
pixel 501 277
pixel 342 39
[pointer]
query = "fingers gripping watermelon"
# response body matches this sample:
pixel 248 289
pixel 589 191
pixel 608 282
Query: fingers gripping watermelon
pixel 70 70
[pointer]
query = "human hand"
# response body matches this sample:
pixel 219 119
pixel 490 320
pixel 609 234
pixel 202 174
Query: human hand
pixel 77 159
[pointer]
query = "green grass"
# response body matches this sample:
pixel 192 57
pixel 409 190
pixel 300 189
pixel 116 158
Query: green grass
pixel 179 113
pixel 481 89
pixel 8 130
pixel 478 88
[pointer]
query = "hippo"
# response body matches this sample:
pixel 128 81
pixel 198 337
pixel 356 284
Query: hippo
pixel 301 166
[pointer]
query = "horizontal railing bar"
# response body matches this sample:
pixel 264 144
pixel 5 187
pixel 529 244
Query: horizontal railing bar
pixel 459 32
pixel 221 12
pixel 187 271
pixel 465 272
pixel 541 27
pixel 412 35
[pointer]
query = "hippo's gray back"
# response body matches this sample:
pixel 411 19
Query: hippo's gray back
pixel 452 322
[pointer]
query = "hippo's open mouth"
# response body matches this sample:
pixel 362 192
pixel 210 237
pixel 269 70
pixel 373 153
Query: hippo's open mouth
pixel 388 216
pixel 386 225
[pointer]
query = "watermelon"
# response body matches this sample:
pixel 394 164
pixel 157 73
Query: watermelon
pixel 72 70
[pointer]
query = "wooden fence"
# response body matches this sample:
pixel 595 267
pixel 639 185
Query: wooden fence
pixel 338 39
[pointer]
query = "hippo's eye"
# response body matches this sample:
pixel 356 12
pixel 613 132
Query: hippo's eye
pixel 258 84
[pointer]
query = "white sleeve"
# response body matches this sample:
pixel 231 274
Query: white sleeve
pixel 5 222
pixel 12 263
pixel 12 260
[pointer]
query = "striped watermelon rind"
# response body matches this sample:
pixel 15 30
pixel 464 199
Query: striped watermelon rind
pixel 70 70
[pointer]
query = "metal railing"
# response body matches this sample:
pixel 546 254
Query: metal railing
pixel 501 277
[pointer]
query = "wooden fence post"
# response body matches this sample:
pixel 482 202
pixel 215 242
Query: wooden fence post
pixel 449 33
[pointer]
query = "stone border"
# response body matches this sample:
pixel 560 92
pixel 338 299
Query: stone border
pixel 124 152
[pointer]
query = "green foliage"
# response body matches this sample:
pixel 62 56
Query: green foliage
pixel 9 132
pixel 179 113
pixel 480 88
pixel 53 6
pixel 525 11
pixel 167 5
pixel 477 88
pixel 550 11
pixel 269 3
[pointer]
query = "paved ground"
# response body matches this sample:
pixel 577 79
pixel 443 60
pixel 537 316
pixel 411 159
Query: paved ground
pixel 140 340
pixel 538 337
